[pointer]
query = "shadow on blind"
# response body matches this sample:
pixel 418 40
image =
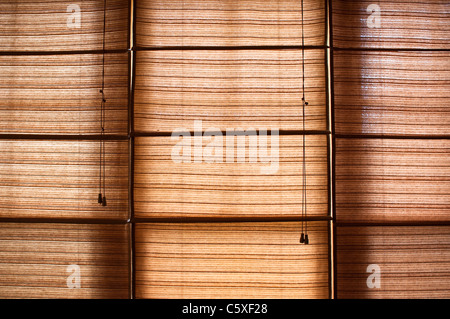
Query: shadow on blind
pixel 391 67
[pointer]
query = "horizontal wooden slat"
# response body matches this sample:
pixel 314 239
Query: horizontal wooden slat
pixel 45 94
pixel 392 180
pixel 60 179
pixel 231 260
pixel 411 24
pixel 413 261
pixel 392 93
pixel 228 23
pixel 47 25
pixel 216 187
pixel 229 89
pixel 35 260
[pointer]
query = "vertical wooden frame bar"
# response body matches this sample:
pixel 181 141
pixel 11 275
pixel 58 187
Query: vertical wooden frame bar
pixel 332 198
pixel 132 69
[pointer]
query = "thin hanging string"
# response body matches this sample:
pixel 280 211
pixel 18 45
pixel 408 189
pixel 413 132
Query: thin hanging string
pixel 303 121
pixel 104 106
pixel 100 154
pixel 304 235
pixel 102 197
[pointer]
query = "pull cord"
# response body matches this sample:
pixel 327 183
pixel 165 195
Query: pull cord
pixel 102 161
pixel 304 238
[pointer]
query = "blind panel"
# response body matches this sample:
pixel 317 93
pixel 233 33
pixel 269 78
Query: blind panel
pixel 60 179
pixel 36 259
pixel 393 24
pixel 413 262
pixel 48 25
pixel 231 260
pixel 59 94
pixel 392 92
pixel 229 89
pixel 392 180
pixel 228 23
pixel 218 187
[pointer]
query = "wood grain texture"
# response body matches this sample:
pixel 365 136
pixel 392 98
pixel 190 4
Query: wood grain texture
pixel 228 23
pixel 47 94
pixel 392 180
pixel 34 260
pixel 231 260
pixel 414 261
pixel 229 89
pixel 217 188
pixel 48 25
pixel 409 25
pixel 394 93
pixel 59 179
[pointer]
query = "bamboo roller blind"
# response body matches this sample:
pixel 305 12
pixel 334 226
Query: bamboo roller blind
pixel 228 89
pixel 230 260
pixel 35 260
pixel 59 94
pixel 411 25
pixel 223 189
pixel 59 179
pixel 404 180
pixel 228 23
pixel 414 261
pixel 51 76
pixel 48 25
pixel 374 90
pixel 203 61
pixel 51 66
pixel 391 116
